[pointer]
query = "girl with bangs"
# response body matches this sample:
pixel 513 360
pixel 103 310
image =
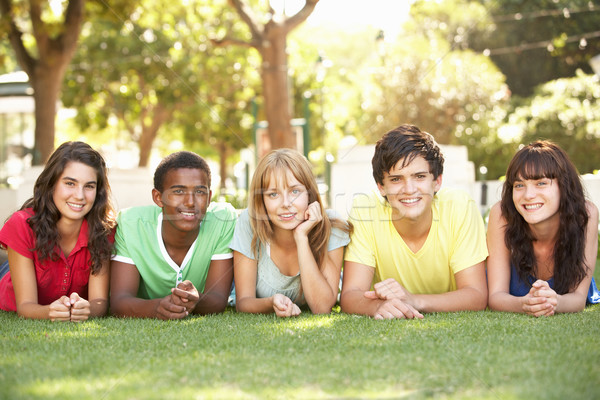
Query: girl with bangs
pixel 542 236
pixel 288 250
pixel 59 243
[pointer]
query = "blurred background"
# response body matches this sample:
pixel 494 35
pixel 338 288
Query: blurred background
pixel 232 79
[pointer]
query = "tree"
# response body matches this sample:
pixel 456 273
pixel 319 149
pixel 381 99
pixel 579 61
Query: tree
pixel 142 90
pixel 169 84
pixel 536 41
pixel 270 40
pixel 567 112
pixel 45 63
pixel 429 78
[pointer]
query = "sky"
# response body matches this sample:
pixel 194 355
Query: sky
pixel 383 14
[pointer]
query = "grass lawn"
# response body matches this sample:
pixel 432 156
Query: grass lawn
pixel 478 355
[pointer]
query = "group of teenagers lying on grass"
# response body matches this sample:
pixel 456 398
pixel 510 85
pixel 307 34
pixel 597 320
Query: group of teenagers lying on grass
pixel 412 248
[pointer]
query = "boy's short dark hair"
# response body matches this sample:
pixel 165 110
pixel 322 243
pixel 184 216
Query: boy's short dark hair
pixel 405 143
pixel 180 159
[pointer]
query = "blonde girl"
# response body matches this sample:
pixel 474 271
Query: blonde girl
pixel 288 250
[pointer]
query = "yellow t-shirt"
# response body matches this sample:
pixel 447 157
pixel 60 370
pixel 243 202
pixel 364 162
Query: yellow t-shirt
pixel 455 241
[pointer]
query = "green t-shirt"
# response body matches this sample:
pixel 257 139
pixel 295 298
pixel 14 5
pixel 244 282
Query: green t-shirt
pixel 138 241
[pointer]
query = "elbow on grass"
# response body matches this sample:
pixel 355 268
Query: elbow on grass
pixel 321 309
pixel 480 303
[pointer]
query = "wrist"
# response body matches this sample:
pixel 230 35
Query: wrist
pixel 301 239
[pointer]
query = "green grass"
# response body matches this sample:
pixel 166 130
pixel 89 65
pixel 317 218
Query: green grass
pixel 478 355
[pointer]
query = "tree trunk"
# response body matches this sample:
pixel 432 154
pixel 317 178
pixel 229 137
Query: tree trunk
pixel 47 71
pixel 274 74
pixel 46 84
pixel 222 165
pixel 149 132
pixel 145 143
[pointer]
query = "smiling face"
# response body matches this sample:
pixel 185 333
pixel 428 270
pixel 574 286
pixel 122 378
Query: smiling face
pixel 537 200
pixel 410 189
pixel 75 191
pixel 184 200
pixel 286 201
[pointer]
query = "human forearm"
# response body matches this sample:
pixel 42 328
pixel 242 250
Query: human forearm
pixel 34 311
pixel 98 307
pixel 355 302
pixel 502 301
pixel 211 303
pixel 570 302
pixel 318 292
pixel 255 305
pixel 129 306
pixel 465 299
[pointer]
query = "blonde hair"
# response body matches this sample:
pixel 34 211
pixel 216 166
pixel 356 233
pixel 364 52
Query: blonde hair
pixel 278 163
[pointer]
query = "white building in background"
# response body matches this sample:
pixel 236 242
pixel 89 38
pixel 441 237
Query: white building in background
pixel 17 125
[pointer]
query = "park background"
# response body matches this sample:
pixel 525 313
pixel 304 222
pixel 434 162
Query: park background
pixel 141 79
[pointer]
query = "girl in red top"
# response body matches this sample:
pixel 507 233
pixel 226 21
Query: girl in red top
pixel 60 242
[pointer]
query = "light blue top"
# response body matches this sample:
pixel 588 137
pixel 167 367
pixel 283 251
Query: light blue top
pixel 269 280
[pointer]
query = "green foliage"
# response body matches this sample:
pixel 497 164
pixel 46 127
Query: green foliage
pixel 426 78
pixel 549 22
pixel 237 198
pixel 566 111
pixel 236 356
pixel 155 70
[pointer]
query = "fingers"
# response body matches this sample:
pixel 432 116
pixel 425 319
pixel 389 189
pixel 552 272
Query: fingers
pixel 389 289
pixel 537 306
pixel 60 310
pixel 284 306
pixel 540 284
pixel 396 308
pixel 74 298
pixel 547 293
pixel 79 308
pixel 294 310
pixel 313 212
pixel 542 310
pixel 189 295
pixel 371 295
pixel 186 285
pixel 167 309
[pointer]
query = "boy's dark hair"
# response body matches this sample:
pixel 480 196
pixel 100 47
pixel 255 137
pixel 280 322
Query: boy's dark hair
pixel 180 159
pixel 406 142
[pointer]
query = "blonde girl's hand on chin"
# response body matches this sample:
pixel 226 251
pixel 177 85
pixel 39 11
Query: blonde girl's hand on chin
pixel 312 216
pixel 284 307
pixel 60 310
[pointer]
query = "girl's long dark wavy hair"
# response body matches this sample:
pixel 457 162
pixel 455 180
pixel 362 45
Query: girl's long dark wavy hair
pixel 544 159
pixel 100 218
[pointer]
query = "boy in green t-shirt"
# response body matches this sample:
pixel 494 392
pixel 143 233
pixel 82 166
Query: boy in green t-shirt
pixel 174 259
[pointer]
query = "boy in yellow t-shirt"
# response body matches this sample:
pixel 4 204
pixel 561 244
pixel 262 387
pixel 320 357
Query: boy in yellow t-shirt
pixel 415 248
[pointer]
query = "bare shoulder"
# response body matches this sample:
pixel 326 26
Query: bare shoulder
pixel 592 210
pixel 496 214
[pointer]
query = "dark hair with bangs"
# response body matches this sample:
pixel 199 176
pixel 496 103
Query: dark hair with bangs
pixel 406 142
pixel 544 159
pixel 100 218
